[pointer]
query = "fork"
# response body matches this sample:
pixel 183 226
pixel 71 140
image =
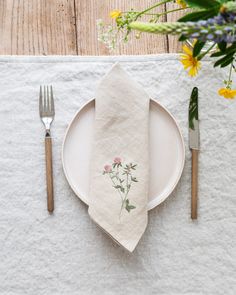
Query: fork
pixel 47 113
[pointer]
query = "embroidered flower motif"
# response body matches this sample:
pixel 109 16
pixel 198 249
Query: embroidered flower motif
pixel 117 160
pixel 122 178
pixel 107 168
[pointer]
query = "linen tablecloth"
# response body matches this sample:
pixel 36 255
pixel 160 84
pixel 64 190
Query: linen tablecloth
pixel 66 253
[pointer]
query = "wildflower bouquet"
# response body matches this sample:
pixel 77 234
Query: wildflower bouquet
pixel 210 23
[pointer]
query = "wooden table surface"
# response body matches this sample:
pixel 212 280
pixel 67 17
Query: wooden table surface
pixel 68 27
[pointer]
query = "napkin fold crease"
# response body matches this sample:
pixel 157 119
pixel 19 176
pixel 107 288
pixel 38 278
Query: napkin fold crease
pixel 120 163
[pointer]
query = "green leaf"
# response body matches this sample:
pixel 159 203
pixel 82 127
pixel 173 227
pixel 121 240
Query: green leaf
pixel 117 186
pixel 224 1
pixel 227 62
pixel 134 179
pixel 122 189
pixel 198 47
pixel 182 38
pixel 129 207
pixel 199 15
pixel 228 58
pixel 217 54
pixel 203 3
pixel 222 46
pixel 133 167
pixel 230 50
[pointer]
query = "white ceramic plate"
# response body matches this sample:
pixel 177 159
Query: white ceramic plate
pixel 167 153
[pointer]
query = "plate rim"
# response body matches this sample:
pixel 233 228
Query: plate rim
pixel 156 201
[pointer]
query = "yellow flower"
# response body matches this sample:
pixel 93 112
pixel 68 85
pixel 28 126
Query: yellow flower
pixel 227 93
pixel 190 62
pixel 115 14
pixel 181 3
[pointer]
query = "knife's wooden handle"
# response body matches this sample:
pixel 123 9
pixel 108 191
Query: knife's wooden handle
pixel 49 173
pixel 194 184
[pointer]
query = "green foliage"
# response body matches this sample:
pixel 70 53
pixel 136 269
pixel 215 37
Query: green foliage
pixel 226 54
pixel 129 207
pixel 134 179
pixel 116 165
pixel 199 15
pixel 207 4
pixel 122 184
pixel 198 47
pixel 222 46
pixel 206 9
pixel 224 61
pixel 182 38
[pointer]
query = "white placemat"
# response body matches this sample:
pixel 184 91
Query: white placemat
pixel 66 253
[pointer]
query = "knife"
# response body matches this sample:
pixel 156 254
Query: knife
pixel 194 145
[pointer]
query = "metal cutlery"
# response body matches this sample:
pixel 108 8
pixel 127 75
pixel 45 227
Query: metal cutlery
pixel 194 145
pixel 47 113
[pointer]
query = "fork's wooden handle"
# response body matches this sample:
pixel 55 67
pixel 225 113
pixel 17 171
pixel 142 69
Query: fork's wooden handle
pixel 49 173
pixel 194 184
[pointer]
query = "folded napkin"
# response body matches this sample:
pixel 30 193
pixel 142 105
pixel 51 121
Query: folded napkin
pixel 120 164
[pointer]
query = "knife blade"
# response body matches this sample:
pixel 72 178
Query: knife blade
pixel 194 145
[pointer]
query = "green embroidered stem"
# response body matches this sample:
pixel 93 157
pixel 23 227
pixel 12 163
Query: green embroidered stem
pixel 114 171
pixel 128 185
pixel 115 185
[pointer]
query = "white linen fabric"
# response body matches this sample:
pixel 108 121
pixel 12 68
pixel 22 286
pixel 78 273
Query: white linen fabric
pixel 120 163
pixel 66 253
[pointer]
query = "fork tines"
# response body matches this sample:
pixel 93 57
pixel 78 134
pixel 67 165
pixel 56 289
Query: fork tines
pixel 46 101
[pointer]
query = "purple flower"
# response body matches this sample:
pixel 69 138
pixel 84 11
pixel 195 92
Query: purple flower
pixel 195 35
pixel 227 29
pixel 210 36
pixel 218 32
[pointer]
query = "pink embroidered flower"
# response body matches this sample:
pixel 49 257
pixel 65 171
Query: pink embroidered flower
pixel 117 160
pixel 107 168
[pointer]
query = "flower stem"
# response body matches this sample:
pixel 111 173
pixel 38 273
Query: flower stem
pixel 127 183
pixel 170 11
pixel 115 185
pixel 205 53
pixel 152 7
pixel 157 14
pixel 230 75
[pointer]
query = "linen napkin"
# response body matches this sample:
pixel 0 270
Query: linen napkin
pixel 120 164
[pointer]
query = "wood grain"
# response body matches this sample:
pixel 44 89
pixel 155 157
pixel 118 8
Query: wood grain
pixel 37 27
pixel 87 12
pixel 194 199
pixel 42 27
pixel 173 44
pixel 49 174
